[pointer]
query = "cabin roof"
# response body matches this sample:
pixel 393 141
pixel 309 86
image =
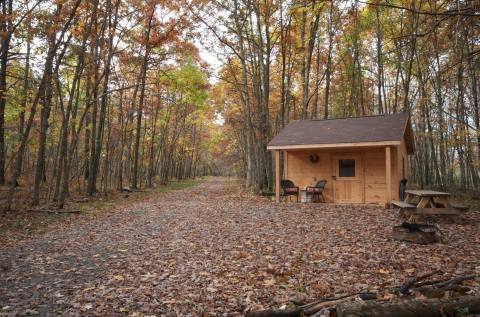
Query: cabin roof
pixel 388 129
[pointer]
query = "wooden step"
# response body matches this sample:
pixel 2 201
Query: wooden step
pixel 459 207
pixel 402 204
pixel 435 211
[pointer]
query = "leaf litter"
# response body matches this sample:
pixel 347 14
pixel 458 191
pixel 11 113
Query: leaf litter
pixel 215 250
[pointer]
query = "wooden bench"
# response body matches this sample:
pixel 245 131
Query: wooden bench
pixel 402 204
pixel 414 213
pixel 430 203
pixel 459 207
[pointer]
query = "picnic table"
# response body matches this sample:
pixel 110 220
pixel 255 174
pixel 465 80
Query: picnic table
pixel 427 203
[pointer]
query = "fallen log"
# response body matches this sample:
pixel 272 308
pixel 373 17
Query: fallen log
pixel 293 312
pixel 432 282
pixel 452 290
pixel 317 307
pixel 431 289
pixel 410 282
pixel 444 285
pixel 411 308
pixel 311 308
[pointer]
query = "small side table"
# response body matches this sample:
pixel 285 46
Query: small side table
pixel 304 198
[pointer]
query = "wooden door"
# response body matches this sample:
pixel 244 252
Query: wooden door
pixel 348 179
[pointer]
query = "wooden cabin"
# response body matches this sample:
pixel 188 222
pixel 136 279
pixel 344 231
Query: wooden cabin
pixel 363 159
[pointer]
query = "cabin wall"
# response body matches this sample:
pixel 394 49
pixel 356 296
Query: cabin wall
pixel 375 175
pixel 302 172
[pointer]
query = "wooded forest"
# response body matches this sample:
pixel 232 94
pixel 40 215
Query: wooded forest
pixel 102 95
pixel 294 60
pixel 99 95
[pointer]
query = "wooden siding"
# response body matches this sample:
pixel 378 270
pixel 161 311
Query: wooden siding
pixel 302 172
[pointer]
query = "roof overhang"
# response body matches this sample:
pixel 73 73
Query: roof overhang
pixel 332 145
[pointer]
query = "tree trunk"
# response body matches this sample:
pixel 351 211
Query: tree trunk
pixel 4 51
pixel 53 45
pixel 307 57
pixel 328 70
pixel 143 75
pixel 379 34
pixel 245 97
pixel 26 87
pixel 104 100
pixel 44 116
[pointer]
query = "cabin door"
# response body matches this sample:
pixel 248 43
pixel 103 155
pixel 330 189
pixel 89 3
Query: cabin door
pixel 348 179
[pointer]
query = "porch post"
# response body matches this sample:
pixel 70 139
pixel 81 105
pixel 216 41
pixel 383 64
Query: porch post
pixel 277 176
pixel 388 169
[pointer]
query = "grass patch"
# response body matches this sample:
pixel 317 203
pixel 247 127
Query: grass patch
pixel 20 224
pixel 179 185
pixel 232 183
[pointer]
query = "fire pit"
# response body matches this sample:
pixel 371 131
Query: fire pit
pixel 416 233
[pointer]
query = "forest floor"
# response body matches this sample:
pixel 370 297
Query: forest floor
pixel 214 249
pixel 25 221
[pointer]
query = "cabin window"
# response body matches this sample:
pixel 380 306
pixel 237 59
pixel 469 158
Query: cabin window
pixel 346 168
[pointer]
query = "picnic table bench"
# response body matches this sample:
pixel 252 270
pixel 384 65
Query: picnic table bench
pixel 428 203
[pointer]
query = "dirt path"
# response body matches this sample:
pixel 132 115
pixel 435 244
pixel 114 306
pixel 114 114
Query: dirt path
pixel 213 249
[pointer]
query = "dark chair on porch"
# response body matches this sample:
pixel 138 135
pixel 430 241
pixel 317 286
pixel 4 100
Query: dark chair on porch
pixel 289 188
pixel 316 191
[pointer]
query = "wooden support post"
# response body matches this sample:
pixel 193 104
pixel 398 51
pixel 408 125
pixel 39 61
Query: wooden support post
pixel 388 176
pixel 277 176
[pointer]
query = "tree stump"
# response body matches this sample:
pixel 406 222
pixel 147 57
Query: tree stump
pixel 416 233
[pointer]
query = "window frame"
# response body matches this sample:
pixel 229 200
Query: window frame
pixel 355 174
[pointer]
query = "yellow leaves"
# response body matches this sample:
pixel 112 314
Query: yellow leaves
pixel 119 277
pixel 245 255
pixel 269 282
pixel 169 301
pixel 419 296
pixel 388 296
pixel 342 232
pixel 271 269
pixel 383 271
pixel 148 276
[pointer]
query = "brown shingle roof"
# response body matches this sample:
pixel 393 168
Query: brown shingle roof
pixel 382 128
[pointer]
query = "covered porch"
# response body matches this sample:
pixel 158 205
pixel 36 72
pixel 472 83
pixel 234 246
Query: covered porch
pixel 366 171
